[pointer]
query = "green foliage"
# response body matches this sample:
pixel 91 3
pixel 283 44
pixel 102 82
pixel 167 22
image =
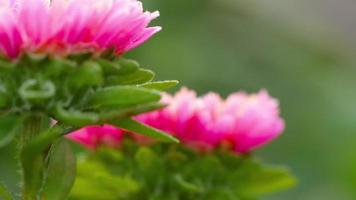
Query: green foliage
pixel 94 181
pixel 76 91
pixel 137 127
pixel 170 172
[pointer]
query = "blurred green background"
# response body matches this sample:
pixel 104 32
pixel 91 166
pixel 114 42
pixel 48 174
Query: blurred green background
pixel 302 51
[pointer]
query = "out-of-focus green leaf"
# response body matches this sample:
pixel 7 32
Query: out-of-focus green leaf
pixel 10 126
pixel 122 96
pixel 4 194
pixel 137 127
pixel 160 85
pixel 32 160
pixel 94 182
pixel 61 171
pixel 138 77
pixel 267 179
pixel 146 158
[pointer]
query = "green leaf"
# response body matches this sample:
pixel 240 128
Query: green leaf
pixel 94 181
pixel 137 127
pixel 61 171
pixel 10 126
pixel 146 158
pixel 32 160
pixel 74 118
pixel 254 179
pixel 122 96
pixel 130 111
pixel 138 77
pixel 4 193
pixel 160 85
pixel 270 179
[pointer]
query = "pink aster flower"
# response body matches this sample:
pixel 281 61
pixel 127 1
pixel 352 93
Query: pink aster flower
pixel 94 136
pixel 72 26
pixel 244 121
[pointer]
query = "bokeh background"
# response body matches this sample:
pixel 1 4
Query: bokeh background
pixel 302 51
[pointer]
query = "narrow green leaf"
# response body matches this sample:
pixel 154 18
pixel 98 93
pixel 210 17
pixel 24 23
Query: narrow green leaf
pixel 4 193
pixel 160 85
pixel 138 77
pixel 122 96
pixel 130 111
pixel 61 171
pixel 137 127
pixel 74 118
pixel 32 160
pixel 10 126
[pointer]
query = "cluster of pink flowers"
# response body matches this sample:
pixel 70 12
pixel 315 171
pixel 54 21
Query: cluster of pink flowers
pixel 241 122
pixel 63 27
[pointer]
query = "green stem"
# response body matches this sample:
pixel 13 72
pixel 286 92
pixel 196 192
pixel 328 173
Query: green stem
pixel 32 127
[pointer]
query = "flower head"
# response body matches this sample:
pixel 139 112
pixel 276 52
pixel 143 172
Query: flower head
pixel 242 122
pixel 94 136
pixel 72 26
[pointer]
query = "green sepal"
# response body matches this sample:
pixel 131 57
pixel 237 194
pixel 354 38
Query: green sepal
pixel 60 172
pixel 109 67
pixel 81 57
pixel 138 77
pixel 74 117
pixel 37 92
pixel 139 128
pixel 89 74
pixel 4 193
pixel 160 85
pixel 34 60
pixel 122 96
pixel 10 126
pixel 58 67
pixel 127 66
